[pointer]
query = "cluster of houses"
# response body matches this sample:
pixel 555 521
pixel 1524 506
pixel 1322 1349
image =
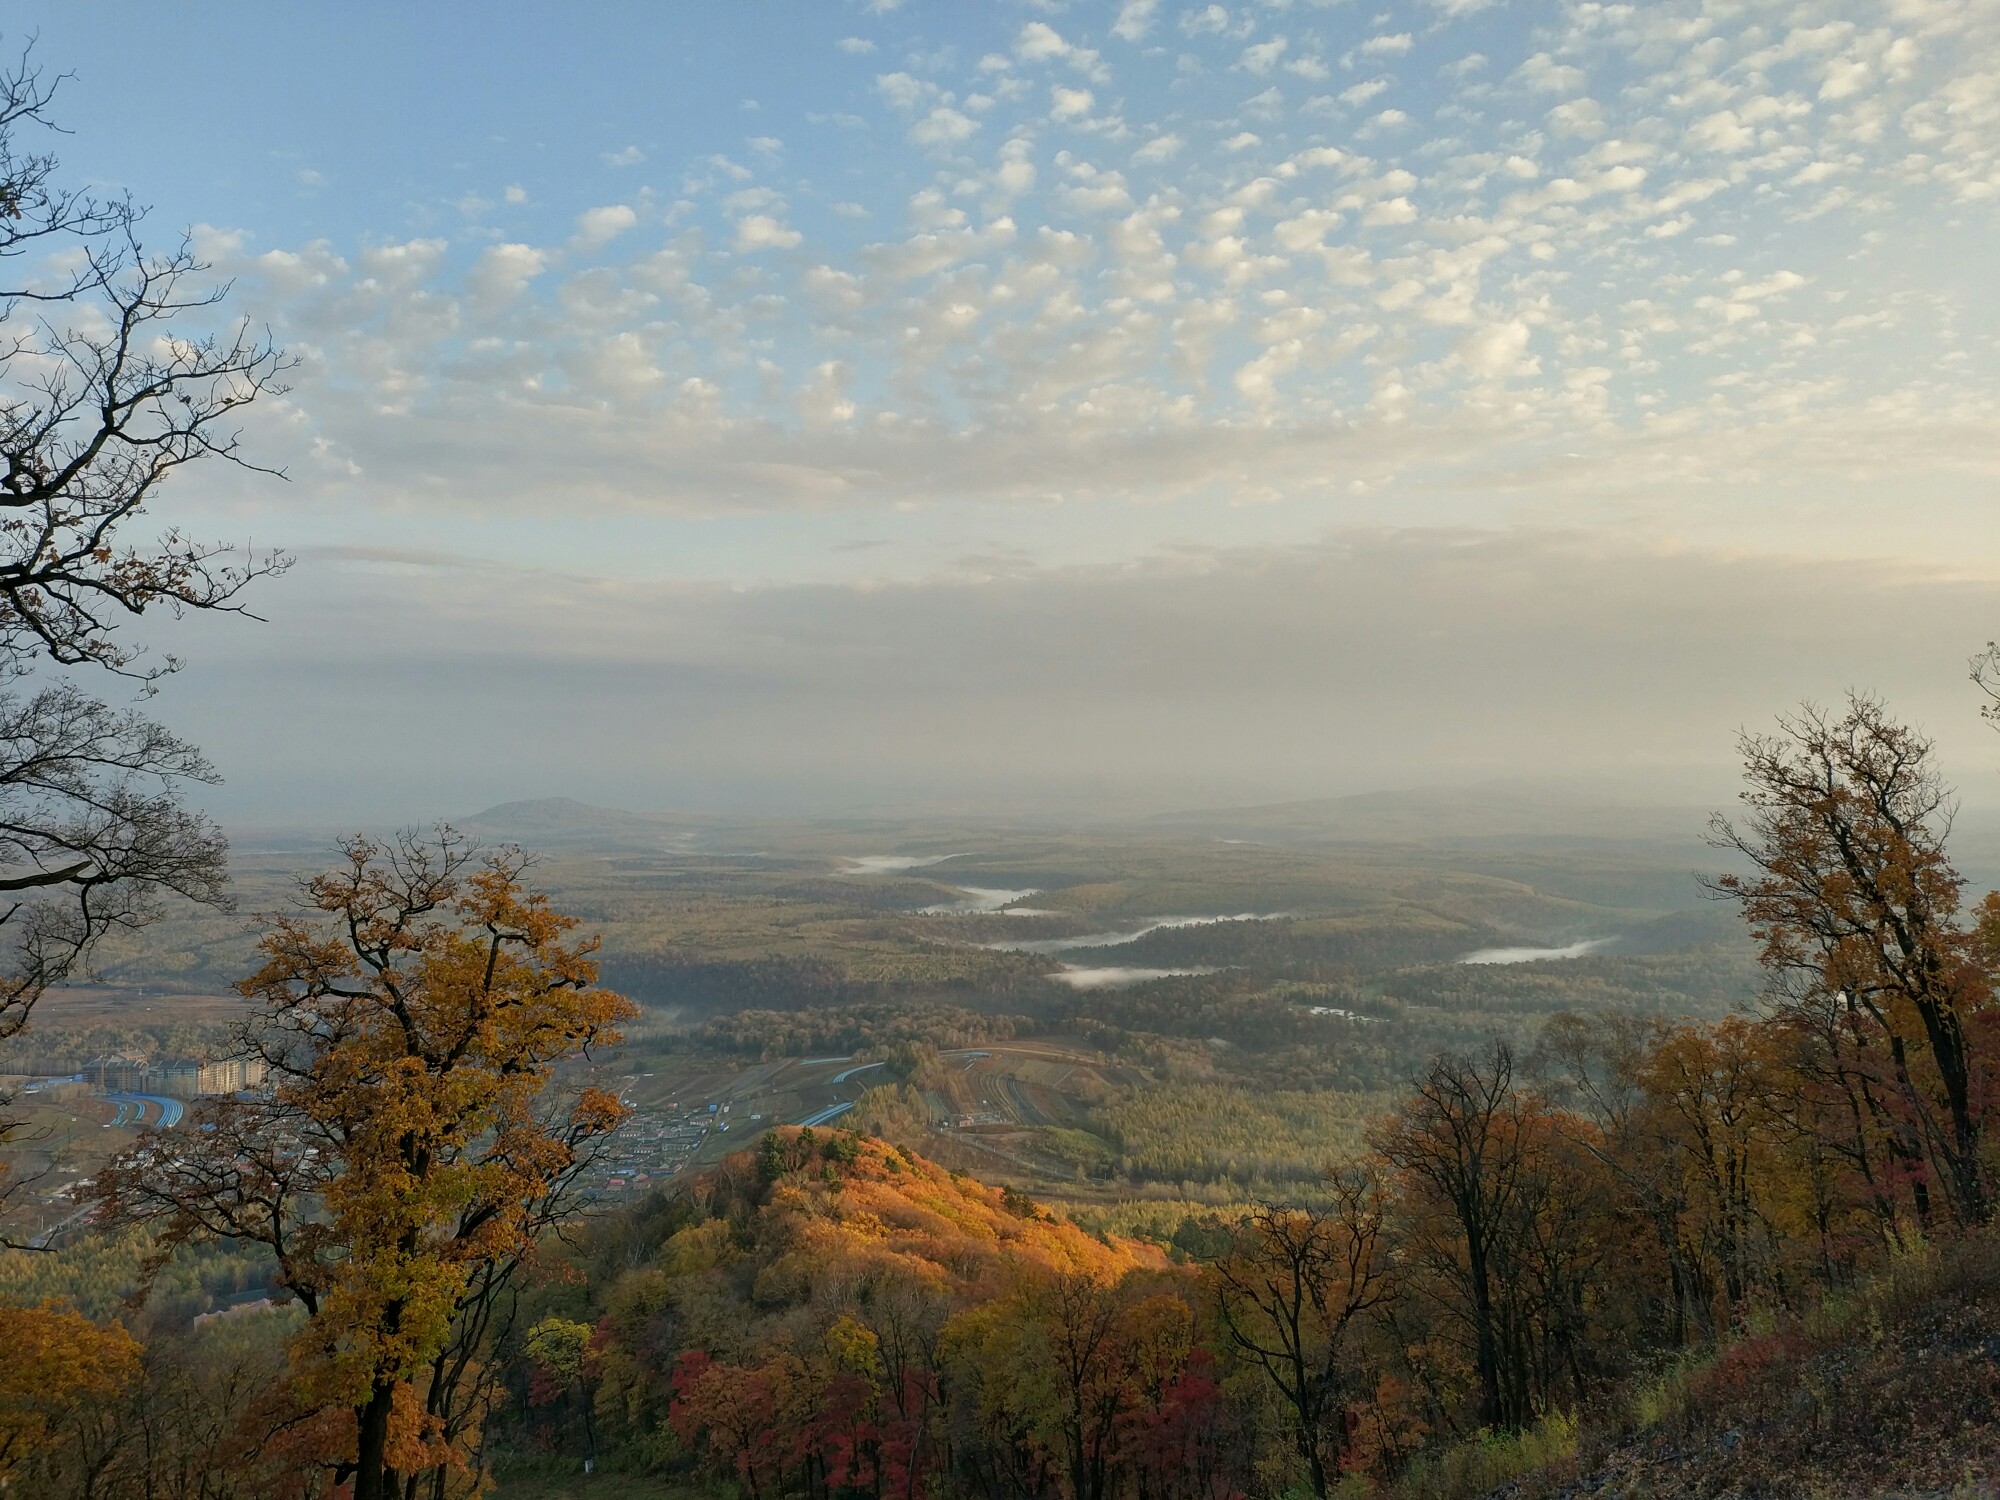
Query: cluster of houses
pixel 651 1147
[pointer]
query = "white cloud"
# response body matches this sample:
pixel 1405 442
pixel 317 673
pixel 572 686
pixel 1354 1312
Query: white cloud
pixel 1306 230
pixel 1394 45
pixel 626 156
pixel 943 127
pixel 1264 56
pixel 1498 351
pixel 1015 172
pixel 1846 77
pixel 598 225
pixel 1070 104
pixel 1267 105
pixel 1096 192
pixel 1204 20
pixel 616 369
pixel 764 232
pixel 1436 305
pixel 1040 42
pixel 905 91
pixel 1257 381
pixel 503 272
pixel 1721 131
pixel 1545 75
pixel 1390 211
pixel 1328 156
pixel 1135 19
pixel 1579 117
pixel 1775 285
pixel 855 46
pixel 824 400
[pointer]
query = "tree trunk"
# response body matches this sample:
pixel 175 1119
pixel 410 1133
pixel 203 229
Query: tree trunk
pixel 1947 1043
pixel 1487 1344
pixel 1315 1463
pixel 371 1479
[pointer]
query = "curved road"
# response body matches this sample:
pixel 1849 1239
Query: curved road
pixel 132 1110
pixel 827 1114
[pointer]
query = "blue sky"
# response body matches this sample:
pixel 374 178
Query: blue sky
pixel 924 308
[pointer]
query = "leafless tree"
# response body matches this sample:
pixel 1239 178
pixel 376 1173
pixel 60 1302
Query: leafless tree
pixel 112 376
pixel 1466 1150
pixel 1290 1291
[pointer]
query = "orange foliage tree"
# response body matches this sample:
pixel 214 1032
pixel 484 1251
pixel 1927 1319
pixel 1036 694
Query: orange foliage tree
pixel 1083 1385
pixel 1859 911
pixel 841 1316
pixel 1714 1106
pixel 55 1361
pixel 411 1153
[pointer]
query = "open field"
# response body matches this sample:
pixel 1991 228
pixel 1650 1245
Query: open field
pixel 1211 1007
pixel 913 903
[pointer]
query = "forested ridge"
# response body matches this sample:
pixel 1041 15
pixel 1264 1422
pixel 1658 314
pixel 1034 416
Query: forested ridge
pixel 1397 1147
pixel 1595 1254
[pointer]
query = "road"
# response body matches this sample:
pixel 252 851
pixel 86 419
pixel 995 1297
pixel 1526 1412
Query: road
pixel 132 1110
pixel 1029 1112
pixel 832 1112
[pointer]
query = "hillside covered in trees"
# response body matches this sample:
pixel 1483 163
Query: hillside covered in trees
pixel 1627 1254
pixel 1618 1252
pixel 925 452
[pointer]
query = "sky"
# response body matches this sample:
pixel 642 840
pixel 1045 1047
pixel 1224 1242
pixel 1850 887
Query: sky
pixel 812 406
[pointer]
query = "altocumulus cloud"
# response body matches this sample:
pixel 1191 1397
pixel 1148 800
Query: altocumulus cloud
pixel 1553 355
pixel 1641 249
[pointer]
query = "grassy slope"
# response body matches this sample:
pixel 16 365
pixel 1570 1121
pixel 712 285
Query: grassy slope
pixel 1892 1391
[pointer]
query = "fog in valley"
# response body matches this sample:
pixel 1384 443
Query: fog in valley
pixel 417 688
pixel 1038 750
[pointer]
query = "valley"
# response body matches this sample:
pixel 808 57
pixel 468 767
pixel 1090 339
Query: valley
pixel 1112 1017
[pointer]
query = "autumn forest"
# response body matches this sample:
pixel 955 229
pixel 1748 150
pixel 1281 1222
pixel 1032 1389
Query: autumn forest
pixel 1434 1144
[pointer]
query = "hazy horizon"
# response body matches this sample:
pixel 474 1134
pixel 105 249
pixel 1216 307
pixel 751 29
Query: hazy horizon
pixel 1084 654
pixel 1147 405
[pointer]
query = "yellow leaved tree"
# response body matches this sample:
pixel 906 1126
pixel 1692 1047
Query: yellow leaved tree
pixel 411 1153
pixel 56 1360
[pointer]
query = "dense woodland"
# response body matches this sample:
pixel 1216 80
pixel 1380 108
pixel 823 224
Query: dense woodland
pixel 1612 1228
pixel 1526 1229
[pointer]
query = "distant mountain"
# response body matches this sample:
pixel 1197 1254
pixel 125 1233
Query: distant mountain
pixel 1493 810
pixel 558 822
